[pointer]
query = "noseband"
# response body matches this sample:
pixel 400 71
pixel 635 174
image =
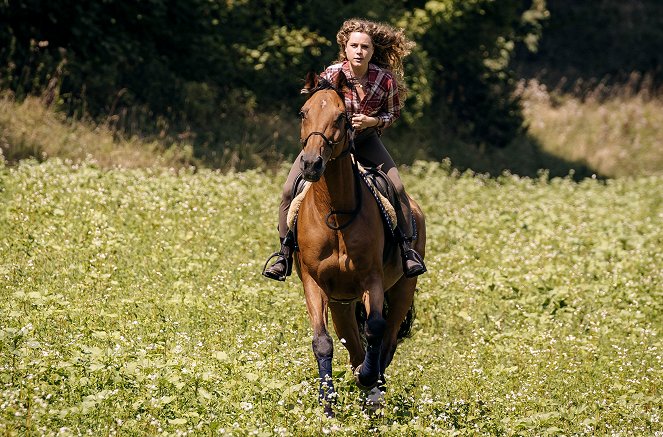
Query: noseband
pixel 331 143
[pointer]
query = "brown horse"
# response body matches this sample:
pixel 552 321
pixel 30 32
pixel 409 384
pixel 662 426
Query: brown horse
pixel 345 256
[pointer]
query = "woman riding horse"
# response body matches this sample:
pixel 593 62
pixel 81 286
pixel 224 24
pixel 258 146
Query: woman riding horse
pixel 370 58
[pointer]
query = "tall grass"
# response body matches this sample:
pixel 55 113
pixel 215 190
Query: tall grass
pixel 30 129
pixel 616 130
pixel 610 131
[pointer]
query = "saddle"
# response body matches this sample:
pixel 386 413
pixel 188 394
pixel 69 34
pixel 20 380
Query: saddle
pixel 379 186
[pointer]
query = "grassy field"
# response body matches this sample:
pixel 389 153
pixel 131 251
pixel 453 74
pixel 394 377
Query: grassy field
pixel 131 304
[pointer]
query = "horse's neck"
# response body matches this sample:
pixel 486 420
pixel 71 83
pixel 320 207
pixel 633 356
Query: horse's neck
pixel 336 188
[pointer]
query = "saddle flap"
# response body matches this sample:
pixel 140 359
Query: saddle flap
pixel 381 182
pixel 384 193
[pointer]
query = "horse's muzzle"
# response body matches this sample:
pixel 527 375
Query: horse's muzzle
pixel 312 168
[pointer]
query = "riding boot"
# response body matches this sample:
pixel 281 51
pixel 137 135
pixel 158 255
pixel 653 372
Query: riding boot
pixel 413 263
pixel 282 267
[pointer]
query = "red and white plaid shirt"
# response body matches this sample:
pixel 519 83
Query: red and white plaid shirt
pixel 381 94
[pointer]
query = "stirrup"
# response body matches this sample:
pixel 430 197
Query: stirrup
pixel 268 273
pixel 413 255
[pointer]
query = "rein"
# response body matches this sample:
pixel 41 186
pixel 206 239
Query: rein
pixel 355 212
pixel 349 137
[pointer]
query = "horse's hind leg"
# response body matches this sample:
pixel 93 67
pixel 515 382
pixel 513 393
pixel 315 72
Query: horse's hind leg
pixel 345 325
pixel 369 372
pixel 400 297
pixel 323 347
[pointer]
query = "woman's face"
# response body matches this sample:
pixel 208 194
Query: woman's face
pixel 359 50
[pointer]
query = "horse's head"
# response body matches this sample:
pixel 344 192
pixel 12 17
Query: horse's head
pixel 325 132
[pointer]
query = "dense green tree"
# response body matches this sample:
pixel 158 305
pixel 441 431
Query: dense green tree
pixel 467 46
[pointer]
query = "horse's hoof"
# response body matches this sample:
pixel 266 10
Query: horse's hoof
pixel 364 385
pixel 329 411
pixel 375 399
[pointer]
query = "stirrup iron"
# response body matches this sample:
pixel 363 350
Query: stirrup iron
pixel 267 272
pixel 284 256
pixel 413 255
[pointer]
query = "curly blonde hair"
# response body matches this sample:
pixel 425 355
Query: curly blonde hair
pixel 390 46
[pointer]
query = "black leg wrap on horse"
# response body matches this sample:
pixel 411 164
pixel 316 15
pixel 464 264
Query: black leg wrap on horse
pixel 326 392
pixel 369 374
pixel 323 349
pixel 375 327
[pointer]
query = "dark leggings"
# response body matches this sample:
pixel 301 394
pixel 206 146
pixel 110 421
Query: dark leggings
pixel 369 151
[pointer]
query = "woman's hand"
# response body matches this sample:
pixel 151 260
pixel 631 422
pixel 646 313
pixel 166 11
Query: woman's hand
pixel 361 121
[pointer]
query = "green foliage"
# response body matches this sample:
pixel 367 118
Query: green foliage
pixel 165 66
pixel 220 74
pixel 132 303
pixel 468 45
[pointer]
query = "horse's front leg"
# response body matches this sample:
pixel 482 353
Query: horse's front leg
pixel 368 373
pixel 323 347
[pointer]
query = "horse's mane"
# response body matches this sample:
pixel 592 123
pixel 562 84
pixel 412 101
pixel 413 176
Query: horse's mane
pixel 324 84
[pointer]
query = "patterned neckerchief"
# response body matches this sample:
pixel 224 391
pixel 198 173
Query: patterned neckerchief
pixel 381 93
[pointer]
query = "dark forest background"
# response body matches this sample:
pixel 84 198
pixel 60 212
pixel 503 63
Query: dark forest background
pixel 225 75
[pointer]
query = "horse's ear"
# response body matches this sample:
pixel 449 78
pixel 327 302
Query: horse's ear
pixel 342 84
pixel 310 83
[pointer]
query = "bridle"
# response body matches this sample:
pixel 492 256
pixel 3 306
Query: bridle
pixel 348 136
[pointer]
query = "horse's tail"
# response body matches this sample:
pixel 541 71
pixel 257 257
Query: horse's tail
pixel 405 330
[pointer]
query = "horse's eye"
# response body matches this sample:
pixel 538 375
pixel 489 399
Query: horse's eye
pixel 302 114
pixel 339 120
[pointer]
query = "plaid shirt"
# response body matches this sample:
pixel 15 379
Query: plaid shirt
pixel 381 99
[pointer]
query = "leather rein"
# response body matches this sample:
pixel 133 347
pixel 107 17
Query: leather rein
pixel 349 138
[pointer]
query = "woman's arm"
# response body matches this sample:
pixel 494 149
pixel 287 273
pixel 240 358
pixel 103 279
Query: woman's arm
pixel 391 109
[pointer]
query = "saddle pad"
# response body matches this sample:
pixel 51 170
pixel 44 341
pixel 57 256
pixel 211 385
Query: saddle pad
pixel 382 189
pixel 295 204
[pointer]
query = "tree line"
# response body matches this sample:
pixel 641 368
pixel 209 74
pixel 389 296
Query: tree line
pixel 166 66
